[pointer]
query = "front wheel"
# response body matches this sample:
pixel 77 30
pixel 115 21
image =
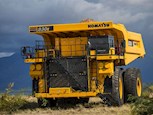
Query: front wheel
pixel 118 87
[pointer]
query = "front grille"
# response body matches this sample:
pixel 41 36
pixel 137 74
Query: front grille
pixel 68 72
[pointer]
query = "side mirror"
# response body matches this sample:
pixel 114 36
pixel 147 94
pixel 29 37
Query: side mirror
pixel 123 43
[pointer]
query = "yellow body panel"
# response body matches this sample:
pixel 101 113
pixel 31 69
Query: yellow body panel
pixel 75 94
pixel 63 90
pixel 40 54
pixel 70 27
pixel 36 70
pixel 36 74
pixel 130 57
pixel 64 93
pixel 109 57
pixel 41 85
pixel 35 60
pixel 106 67
pixel 71 46
pixel 99 70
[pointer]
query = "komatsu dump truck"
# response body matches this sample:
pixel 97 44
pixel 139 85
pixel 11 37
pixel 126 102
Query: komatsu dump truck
pixel 82 60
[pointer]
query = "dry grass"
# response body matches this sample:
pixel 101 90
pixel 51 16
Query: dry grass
pixel 94 107
pixel 27 105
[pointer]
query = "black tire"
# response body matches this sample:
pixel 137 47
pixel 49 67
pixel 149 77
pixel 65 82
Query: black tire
pixel 133 82
pixel 118 87
pixel 75 101
pixel 52 102
pixel 83 100
pixel 43 102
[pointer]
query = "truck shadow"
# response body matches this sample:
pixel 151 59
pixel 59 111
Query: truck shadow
pixel 61 105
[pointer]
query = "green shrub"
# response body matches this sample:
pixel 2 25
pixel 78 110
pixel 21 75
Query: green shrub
pixel 142 105
pixel 11 103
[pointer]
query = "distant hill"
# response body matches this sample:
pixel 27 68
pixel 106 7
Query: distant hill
pixel 13 69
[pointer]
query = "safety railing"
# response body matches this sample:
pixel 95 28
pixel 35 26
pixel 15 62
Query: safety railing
pixel 41 50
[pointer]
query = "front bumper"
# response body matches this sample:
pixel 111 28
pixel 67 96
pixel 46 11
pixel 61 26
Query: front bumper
pixel 65 93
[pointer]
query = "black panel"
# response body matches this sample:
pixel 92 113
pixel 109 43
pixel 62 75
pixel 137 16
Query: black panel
pixel 101 44
pixel 68 72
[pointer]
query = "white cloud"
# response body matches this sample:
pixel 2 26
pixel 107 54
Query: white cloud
pixel 16 16
pixel 136 2
pixel 6 54
pixel 64 11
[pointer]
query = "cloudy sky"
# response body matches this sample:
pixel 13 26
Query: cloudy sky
pixel 17 15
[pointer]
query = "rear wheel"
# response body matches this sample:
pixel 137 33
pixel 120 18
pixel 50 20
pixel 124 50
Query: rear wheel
pixel 133 82
pixel 118 87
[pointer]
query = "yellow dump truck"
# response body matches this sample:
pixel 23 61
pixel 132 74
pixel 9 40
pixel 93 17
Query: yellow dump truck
pixel 82 60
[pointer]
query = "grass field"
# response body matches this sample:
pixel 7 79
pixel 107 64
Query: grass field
pixel 94 107
pixel 20 104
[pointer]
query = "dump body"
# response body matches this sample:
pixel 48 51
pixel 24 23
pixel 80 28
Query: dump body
pixel 77 60
pixel 133 41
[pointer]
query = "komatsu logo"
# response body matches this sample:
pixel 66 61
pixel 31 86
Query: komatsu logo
pixel 98 25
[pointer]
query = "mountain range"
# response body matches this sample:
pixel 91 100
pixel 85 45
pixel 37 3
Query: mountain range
pixel 14 70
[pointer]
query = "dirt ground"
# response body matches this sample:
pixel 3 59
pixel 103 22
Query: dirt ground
pixel 94 107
